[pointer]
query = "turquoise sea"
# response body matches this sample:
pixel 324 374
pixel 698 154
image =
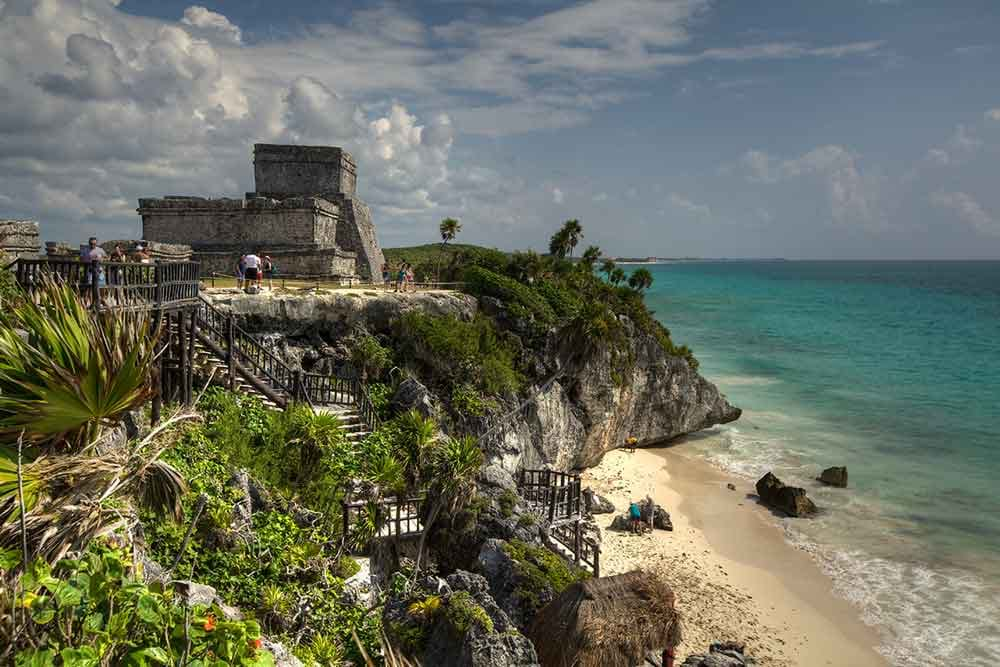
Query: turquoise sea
pixel 889 368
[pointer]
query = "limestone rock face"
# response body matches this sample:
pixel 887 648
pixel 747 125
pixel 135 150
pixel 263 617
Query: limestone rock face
pixel 411 395
pixel 835 476
pixel 578 417
pixel 335 313
pixel 791 500
pixel 575 415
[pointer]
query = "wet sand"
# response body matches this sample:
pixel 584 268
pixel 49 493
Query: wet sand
pixel 735 576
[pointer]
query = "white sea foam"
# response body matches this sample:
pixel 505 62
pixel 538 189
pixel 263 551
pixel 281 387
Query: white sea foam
pixel 926 616
pixel 743 381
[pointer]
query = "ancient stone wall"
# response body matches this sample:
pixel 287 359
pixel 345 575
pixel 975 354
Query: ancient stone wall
pixel 245 225
pixel 356 231
pixel 19 238
pixel 281 171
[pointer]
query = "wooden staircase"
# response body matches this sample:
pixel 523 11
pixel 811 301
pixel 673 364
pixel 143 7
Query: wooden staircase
pixel 234 358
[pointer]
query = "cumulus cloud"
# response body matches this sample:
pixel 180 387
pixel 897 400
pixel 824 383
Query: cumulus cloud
pixel 993 114
pixel 699 211
pixel 212 24
pixel 558 196
pixel 852 197
pixel 968 210
pixel 962 145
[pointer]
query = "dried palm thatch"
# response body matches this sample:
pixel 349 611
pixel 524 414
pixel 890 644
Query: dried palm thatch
pixel 607 622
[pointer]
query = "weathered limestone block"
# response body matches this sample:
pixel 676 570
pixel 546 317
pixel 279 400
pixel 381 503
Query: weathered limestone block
pixel 281 171
pixel 18 238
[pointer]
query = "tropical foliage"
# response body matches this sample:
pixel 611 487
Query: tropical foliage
pixel 95 610
pixel 72 372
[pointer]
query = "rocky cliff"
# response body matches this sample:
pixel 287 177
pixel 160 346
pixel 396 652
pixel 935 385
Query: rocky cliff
pixel 574 415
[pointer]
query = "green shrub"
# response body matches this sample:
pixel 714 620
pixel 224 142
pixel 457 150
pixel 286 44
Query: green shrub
pixel 456 352
pixel 526 520
pixel 565 301
pixel 507 502
pixel 96 611
pixel 380 395
pixel 520 300
pixel 369 356
pixel 462 612
pixel 538 569
pixel 466 399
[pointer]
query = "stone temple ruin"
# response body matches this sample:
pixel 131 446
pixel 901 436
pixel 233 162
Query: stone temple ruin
pixel 304 214
pixel 18 238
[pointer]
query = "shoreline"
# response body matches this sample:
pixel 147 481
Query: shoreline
pixel 735 576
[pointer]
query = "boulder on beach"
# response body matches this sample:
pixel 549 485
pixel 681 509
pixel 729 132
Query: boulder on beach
pixel 724 654
pixel 596 504
pixel 835 476
pixel 792 500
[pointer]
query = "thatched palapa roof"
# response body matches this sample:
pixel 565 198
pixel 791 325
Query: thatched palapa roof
pixel 607 622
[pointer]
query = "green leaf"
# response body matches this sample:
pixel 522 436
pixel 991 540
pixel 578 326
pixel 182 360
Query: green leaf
pixel 148 609
pixel 154 653
pixel 9 558
pixel 35 658
pixel 84 656
pixel 94 622
pixel 67 595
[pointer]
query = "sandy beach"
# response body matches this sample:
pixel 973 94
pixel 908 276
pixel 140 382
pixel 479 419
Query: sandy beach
pixel 734 575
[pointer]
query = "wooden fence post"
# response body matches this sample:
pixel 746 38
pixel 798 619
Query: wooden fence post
pixel 230 356
pixel 577 546
pixel 157 282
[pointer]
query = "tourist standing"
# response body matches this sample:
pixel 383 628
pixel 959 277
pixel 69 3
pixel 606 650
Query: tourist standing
pixel 386 274
pixel 144 256
pixel 240 270
pixel 409 278
pixel 268 267
pixel 401 277
pixel 251 270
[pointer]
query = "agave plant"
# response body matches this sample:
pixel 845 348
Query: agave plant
pixel 66 372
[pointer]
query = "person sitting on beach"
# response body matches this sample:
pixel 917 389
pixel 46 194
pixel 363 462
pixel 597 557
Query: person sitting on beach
pixel 635 517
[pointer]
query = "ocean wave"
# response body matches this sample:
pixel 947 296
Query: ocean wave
pixel 744 380
pixel 926 616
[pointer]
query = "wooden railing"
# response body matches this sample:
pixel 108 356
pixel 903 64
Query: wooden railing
pixel 114 285
pixel 363 521
pixel 555 495
pixel 272 376
pixel 586 551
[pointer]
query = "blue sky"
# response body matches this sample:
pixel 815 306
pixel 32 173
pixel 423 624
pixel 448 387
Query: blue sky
pixel 849 129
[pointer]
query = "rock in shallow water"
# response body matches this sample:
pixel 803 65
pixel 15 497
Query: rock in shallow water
pixel 835 476
pixel 791 500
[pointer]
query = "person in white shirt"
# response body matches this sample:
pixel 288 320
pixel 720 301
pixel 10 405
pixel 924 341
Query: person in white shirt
pixel 252 270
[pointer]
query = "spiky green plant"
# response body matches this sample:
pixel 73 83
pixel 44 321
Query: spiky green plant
pixel 71 499
pixel 66 372
pixel 419 434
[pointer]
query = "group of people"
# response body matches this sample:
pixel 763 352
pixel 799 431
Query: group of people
pixel 93 252
pixel 253 269
pixel 403 278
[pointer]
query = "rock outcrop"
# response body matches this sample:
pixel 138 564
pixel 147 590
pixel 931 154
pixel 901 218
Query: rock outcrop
pixel 465 628
pixel 576 413
pixel 725 654
pixel 835 476
pixel 596 504
pixel 792 500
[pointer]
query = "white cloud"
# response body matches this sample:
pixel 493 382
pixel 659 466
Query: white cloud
pixel 968 210
pixel 699 211
pixel 962 145
pixel 212 24
pixel 558 196
pixel 601 196
pixel 852 197
pixel 993 114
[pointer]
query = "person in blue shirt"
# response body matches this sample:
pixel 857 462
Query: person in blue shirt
pixel 635 517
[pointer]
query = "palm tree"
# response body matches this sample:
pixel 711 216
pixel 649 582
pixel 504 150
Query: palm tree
pixel 617 276
pixel 640 279
pixel 369 356
pixel 419 435
pixel 574 232
pixel 607 267
pixel 528 266
pixel 455 463
pixel 559 243
pixel 449 228
pixel 590 257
